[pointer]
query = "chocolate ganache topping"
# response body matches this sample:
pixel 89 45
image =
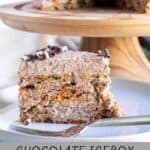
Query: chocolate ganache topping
pixel 104 53
pixel 51 51
pixel 47 52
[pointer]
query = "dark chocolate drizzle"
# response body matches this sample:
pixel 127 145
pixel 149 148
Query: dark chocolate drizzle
pixel 51 51
pixel 104 53
pixel 47 52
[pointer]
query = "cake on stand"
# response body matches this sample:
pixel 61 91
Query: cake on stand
pixel 99 28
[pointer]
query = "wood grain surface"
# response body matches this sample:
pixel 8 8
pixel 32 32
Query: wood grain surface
pixel 94 22
pixel 127 57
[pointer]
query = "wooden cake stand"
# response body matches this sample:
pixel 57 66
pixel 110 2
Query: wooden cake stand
pixel 100 28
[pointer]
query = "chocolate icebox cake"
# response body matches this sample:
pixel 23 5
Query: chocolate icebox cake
pixel 61 4
pixel 65 86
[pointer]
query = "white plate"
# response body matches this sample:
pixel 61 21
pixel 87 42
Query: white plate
pixel 134 98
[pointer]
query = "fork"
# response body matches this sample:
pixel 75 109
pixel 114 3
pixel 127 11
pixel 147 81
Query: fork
pixel 77 129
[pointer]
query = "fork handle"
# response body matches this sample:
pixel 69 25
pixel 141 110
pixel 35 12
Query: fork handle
pixel 122 121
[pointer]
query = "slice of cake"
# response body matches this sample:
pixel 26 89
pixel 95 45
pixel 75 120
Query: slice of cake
pixel 61 4
pixel 64 86
pixel 138 5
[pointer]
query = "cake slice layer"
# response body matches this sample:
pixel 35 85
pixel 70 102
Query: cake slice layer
pixel 65 86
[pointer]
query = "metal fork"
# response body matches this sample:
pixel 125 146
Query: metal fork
pixel 77 129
